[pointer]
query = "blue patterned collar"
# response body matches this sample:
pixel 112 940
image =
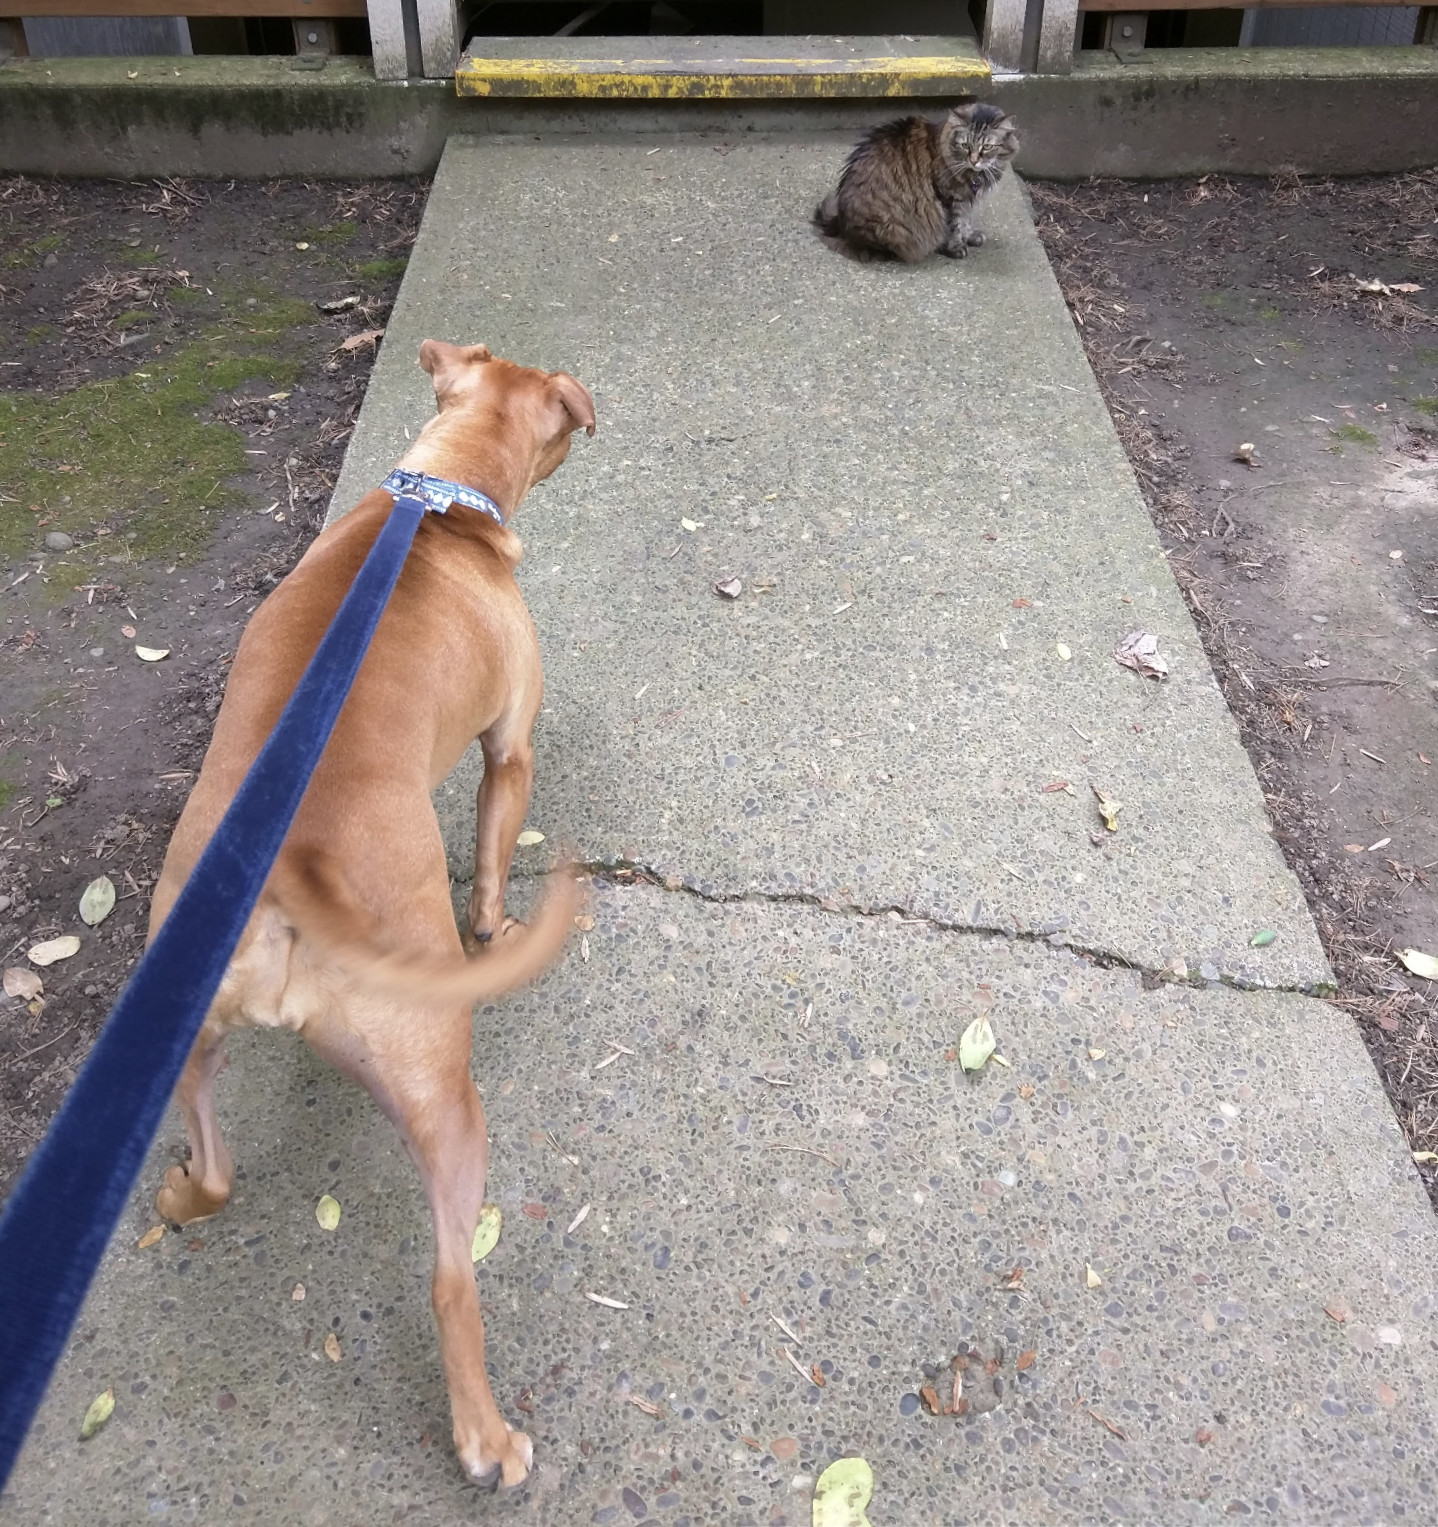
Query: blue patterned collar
pixel 437 494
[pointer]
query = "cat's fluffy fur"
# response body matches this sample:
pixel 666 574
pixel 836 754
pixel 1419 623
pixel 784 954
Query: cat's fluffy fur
pixel 909 189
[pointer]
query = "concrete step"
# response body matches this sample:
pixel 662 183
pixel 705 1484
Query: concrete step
pixel 721 68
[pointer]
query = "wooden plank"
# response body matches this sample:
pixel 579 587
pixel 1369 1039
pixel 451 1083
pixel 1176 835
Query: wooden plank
pixel 1208 5
pixel 182 8
pixel 1058 35
pixel 1004 33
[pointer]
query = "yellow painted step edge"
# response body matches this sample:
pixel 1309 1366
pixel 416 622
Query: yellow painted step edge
pixel 727 79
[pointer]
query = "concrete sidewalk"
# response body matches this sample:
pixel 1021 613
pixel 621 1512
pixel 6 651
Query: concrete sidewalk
pixel 838 781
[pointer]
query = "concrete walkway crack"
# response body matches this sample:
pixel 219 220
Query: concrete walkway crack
pixel 628 872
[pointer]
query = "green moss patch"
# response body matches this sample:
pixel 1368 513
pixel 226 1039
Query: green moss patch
pixel 1356 434
pixel 332 233
pixel 33 253
pixel 131 455
pixel 1427 406
pixel 381 270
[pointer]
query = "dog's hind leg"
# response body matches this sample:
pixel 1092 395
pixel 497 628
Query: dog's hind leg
pixel 421 1080
pixel 202 1188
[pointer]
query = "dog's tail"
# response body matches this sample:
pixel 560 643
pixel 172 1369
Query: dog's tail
pixel 314 895
pixel 826 216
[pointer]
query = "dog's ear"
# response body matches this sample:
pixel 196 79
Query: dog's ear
pixel 443 361
pixel 573 397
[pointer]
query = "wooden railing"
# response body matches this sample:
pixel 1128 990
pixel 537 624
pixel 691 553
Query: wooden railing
pixel 1061 26
pixel 438 25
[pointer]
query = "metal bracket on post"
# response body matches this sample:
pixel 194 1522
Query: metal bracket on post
pixel 1058 36
pixel 1125 34
pixel 314 42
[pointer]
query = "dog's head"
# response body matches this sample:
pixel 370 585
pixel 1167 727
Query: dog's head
pixel 532 409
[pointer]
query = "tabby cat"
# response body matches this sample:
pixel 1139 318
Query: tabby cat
pixel 910 187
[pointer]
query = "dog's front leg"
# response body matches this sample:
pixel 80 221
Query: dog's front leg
pixel 202 1188
pixel 502 802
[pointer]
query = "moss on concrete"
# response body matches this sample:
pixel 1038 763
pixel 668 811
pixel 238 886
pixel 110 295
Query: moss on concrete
pixel 128 463
pixel 1427 406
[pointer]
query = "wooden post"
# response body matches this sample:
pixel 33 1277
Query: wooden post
pixel 439 36
pixel 1058 36
pixel 1004 33
pixel 12 38
pixel 386 39
pixel 1427 26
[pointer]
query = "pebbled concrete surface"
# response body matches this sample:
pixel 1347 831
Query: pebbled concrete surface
pixel 1223 1186
pixel 1261 1339
pixel 913 474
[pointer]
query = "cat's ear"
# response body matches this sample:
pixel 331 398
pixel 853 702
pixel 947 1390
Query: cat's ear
pixel 1006 125
pixel 965 113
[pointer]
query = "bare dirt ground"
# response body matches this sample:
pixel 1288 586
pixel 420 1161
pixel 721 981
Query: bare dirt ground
pixel 174 405
pixel 1269 352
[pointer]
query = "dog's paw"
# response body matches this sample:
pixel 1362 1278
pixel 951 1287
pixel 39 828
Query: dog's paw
pixel 182 1201
pixel 511 1462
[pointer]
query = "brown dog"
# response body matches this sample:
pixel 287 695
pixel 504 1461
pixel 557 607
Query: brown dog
pixel 353 943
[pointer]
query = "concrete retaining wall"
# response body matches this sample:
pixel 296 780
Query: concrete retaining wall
pixel 1179 112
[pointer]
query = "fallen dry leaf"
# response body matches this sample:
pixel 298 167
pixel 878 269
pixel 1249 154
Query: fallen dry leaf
pixel 976 1044
pixel 152 1237
pixel 370 337
pixel 151 654
pixel 1108 808
pixel 1338 1312
pixel 577 1221
pixel 1419 963
pixel 332 1348
pixel 647 1406
pixel 327 1212
pixel 585 923
pixel 53 949
pixel 817 1374
pixel 297 1293
pixel 1026 1090
pixel 729 588
pixel 529 837
pixel 486 1232
pixel 1091 1277
pixel 1094 1054
pixel 609 1304
pixel 1026 1360
pixel 1063 651
pixel 1139 651
pixel 1247 453
pixel 930 1398
pixel 844 1489
pixel 21 983
pixel 98 901
pixel 128 632
pixel 102 1407
pixel 1203 1436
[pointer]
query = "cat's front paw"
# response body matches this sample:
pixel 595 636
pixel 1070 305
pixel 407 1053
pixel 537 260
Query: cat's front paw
pixel 954 251
pixel 974 238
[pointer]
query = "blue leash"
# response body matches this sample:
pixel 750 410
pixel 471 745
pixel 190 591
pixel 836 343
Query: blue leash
pixel 61 1215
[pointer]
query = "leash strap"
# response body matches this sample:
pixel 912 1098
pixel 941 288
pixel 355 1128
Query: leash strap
pixel 438 494
pixel 60 1217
